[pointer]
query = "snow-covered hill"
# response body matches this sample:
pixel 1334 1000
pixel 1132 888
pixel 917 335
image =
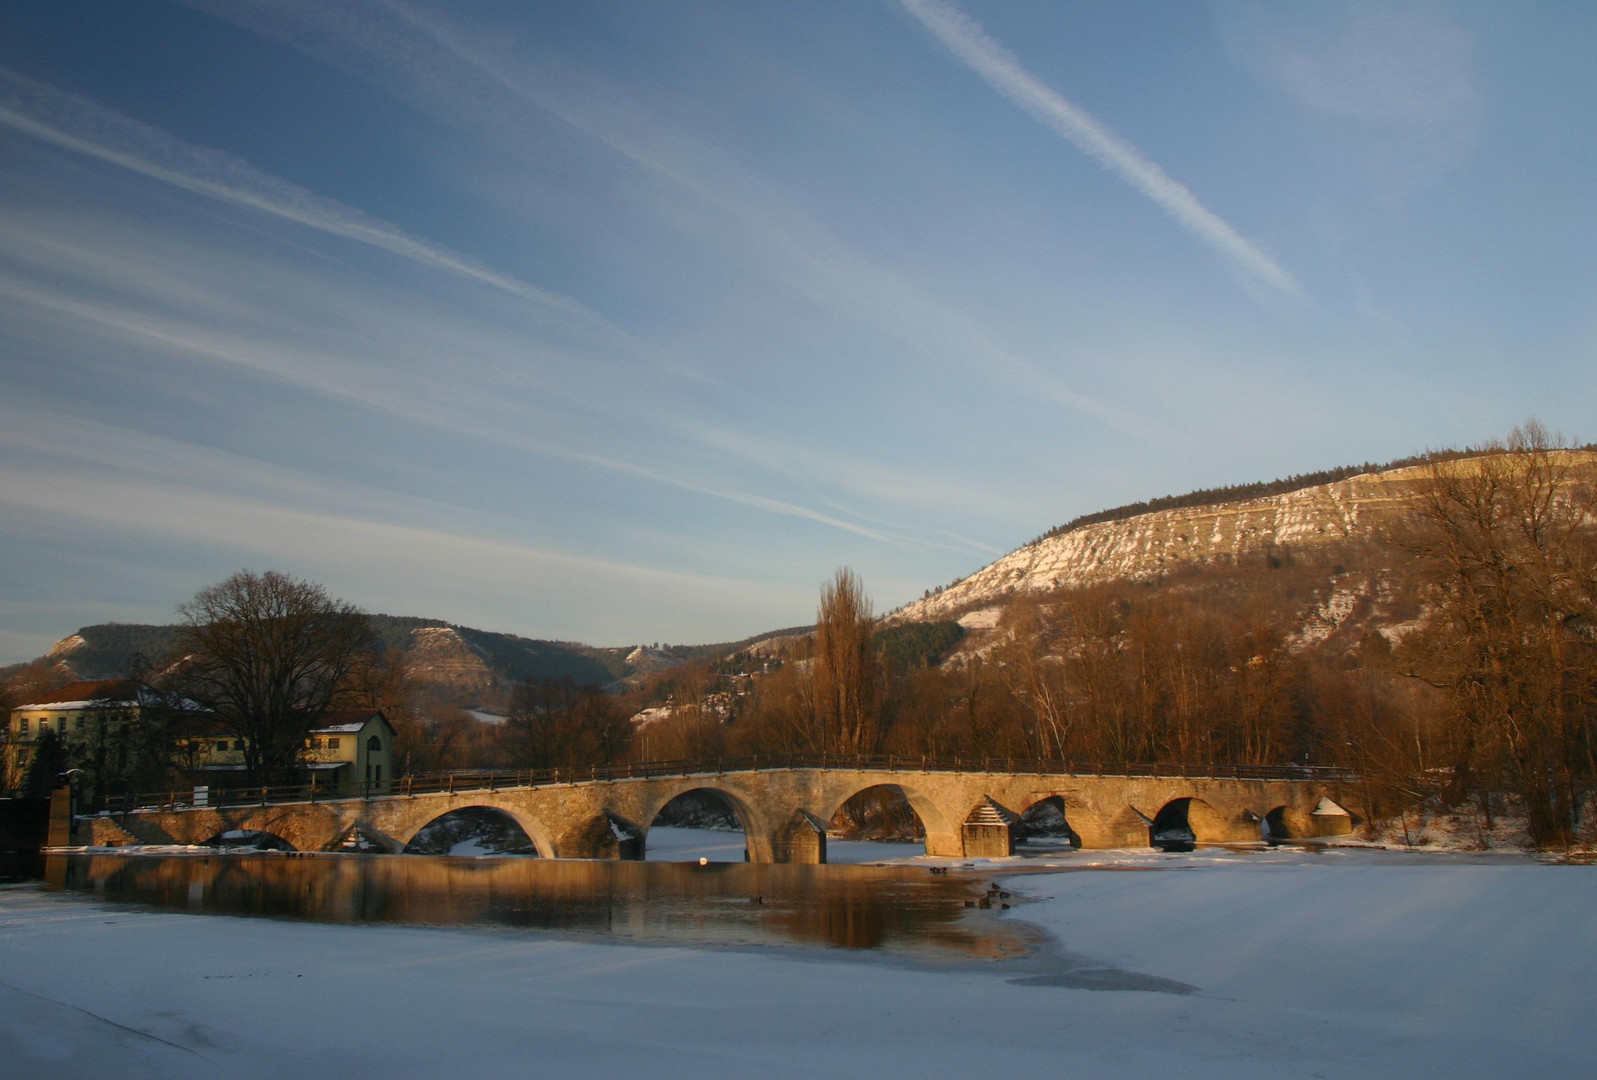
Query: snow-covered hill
pixel 1149 546
pixel 438 654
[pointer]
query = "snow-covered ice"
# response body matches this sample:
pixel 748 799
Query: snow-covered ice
pixel 1343 963
pixel 668 843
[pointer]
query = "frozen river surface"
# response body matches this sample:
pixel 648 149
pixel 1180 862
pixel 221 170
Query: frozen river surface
pixel 669 844
pixel 1275 964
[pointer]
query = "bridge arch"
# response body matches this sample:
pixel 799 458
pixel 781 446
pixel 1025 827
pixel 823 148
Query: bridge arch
pixel 542 841
pixel 1277 825
pixel 248 836
pixel 1050 816
pixel 747 819
pixel 1184 822
pixel 1293 822
pixel 465 822
pixel 941 828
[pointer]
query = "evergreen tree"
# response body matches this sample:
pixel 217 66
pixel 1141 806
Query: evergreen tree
pixel 49 762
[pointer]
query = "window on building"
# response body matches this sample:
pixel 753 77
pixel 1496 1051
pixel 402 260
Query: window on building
pixel 222 746
pixel 332 744
pixel 374 744
pixel 22 726
pixel 61 725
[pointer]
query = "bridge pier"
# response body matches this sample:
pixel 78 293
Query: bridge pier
pixel 989 831
pixel 801 840
pixel 605 836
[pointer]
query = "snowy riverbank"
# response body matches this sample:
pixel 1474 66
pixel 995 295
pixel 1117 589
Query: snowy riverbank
pixel 1346 963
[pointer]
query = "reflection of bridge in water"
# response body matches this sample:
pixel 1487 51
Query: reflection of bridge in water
pixel 785 805
pixel 861 907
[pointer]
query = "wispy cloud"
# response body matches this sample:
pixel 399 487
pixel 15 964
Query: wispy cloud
pixel 381 384
pixel 1401 77
pixel 808 256
pixel 879 483
pixel 471 569
pixel 81 126
pixel 84 127
pixel 473 81
pixel 132 484
pixel 1408 63
pixel 965 38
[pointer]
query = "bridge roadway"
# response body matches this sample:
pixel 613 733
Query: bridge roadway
pixel 785 810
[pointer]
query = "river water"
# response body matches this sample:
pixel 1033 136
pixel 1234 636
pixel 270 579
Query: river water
pixel 906 911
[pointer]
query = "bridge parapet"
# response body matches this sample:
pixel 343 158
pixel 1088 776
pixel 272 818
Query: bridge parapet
pixel 491 781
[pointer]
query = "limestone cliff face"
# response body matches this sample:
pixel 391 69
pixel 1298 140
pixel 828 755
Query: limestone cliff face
pixel 63 649
pixel 439 655
pixel 646 661
pixel 1149 546
pixel 60 657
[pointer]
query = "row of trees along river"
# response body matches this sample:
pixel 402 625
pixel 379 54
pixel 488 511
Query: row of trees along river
pixel 1491 697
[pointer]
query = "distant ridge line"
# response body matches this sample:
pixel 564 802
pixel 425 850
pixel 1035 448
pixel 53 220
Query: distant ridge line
pixel 1263 488
pixel 1239 494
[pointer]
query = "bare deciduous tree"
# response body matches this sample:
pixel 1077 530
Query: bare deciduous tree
pixel 1507 542
pixel 267 654
pixel 1036 678
pixel 554 723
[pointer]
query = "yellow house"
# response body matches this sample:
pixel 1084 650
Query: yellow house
pixel 79 714
pixel 352 753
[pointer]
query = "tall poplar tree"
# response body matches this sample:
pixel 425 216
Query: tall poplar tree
pixel 846 676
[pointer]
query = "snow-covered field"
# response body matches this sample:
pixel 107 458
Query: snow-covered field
pixel 1272 964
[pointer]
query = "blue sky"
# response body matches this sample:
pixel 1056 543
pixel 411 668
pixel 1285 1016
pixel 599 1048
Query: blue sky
pixel 630 322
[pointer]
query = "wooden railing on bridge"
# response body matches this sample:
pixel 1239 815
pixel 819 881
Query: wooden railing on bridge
pixel 453 782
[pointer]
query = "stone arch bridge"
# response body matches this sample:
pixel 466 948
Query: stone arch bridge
pixel 784 811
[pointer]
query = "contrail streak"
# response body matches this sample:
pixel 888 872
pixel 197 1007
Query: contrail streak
pixel 965 38
pixel 77 124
